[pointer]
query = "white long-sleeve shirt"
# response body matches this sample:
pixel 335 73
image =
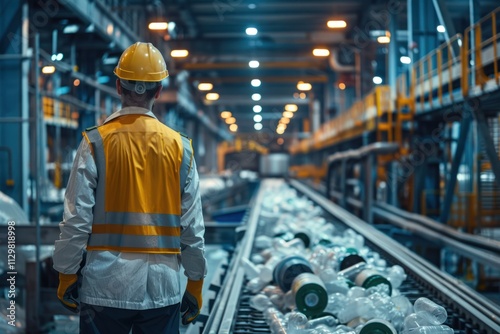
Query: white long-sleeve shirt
pixel 121 279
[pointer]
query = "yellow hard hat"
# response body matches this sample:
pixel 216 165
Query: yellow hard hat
pixel 141 62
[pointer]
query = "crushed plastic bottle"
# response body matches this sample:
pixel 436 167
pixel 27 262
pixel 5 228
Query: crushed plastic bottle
pixel 436 313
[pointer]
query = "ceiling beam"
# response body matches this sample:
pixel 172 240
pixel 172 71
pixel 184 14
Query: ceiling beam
pixel 266 79
pixel 267 65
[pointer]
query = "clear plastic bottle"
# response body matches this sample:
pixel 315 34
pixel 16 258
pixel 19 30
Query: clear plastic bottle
pixel 438 314
pixel 260 302
pixel 416 320
pixel 437 329
pixel 356 308
pixel 327 320
pixel 251 270
pixel 396 275
pixel 336 302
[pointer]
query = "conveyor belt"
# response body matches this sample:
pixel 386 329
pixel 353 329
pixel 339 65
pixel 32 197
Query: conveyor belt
pixel 468 312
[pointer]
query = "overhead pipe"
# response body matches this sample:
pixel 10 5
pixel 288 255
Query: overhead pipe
pixel 336 65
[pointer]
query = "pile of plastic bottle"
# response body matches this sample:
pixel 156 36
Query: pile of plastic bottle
pixel 307 277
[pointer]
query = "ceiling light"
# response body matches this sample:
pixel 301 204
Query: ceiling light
pixel 441 28
pixel 304 86
pixel 226 114
pixel 48 69
pixel 280 141
pixel 257 109
pixel 257 118
pixel 281 126
pixel 336 24
pixel 341 86
pixel 291 107
pixel 377 80
pixel 287 114
pixel 384 39
pixel 257 126
pixel 321 52
pixel 285 120
pixel 158 26
pixel 230 120
pixel 70 29
pixel 179 53
pixel 205 86
pixel 255 82
pixel 256 97
pixel 280 131
pixel 233 127
pixel 212 96
pixel 253 63
pixel 405 60
pixel 251 31
pixel 302 95
pixel 76 82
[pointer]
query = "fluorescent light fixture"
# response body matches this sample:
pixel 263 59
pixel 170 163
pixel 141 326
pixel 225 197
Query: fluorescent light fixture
pixel 285 120
pixel 384 39
pixel 226 114
pixel 405 59
pixel 205 86
pixel 70 29
pixel 291 107
pixel 257 109
pixel 341 86
pixel 212 96
pixel 158 26
pixel 230 120
pixel 48 69
pixel 336 24
pixel 287 114
pixel 233 127
pixel 377 80
pixel 256 97
pixel 321 52
pixel 179 53
pixel 251 31
pixel 257 126
pixel 255 82
pixel 304 86
pixel 441 28
pixel 253 63
pixel 257 118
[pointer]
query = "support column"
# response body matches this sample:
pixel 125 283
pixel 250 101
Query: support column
pixel 424 22
pixel 369 170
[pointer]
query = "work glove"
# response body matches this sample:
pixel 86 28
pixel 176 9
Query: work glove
pixel 191 301
pixel 67 291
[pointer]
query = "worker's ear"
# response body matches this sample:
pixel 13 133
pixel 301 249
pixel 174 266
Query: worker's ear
pixel 158 90
pixel 118 87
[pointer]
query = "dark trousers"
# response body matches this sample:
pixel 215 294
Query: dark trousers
pixel 110 320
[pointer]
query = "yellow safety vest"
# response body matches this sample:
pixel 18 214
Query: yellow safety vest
pixel 142 166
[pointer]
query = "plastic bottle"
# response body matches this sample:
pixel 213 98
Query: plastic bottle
pixel 438 314
pixel 359 307
pixel 378 326
pixel 416 320
pixel 437 329
pixel 288 268
pixel 326 320
pixel 396 275
pixel 310 294
pixel 266 272
pixel 260 302
pixel 251 270
pixel 336 302
pixel 369 278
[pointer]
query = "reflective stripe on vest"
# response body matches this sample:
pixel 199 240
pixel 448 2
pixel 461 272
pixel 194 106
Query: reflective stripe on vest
pixel 142 168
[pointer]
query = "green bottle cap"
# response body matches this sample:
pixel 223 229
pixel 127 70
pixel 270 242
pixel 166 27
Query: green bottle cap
pixel 310 293
pixel 375 280
pixel 378 326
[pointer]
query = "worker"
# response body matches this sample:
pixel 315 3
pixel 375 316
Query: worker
pixel 132 204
